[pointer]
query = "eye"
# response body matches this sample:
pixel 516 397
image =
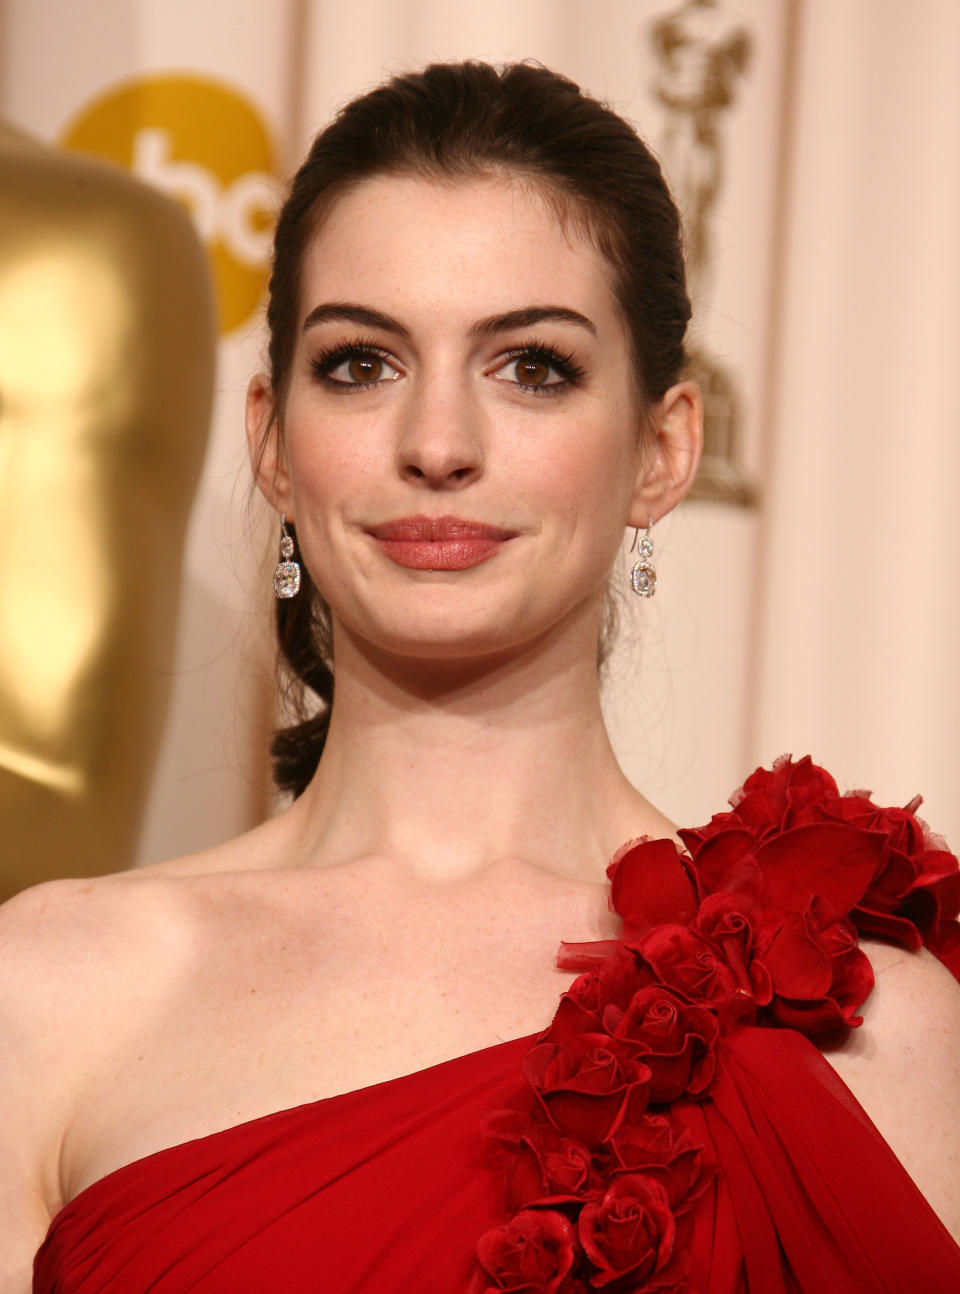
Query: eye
pixel 361 369
pixel 540 370
pixel 356 367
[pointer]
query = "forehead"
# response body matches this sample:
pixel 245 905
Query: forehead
pixel 466 248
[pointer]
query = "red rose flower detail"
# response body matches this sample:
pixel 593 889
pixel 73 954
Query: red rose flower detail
pixel 771 797
pixel 918 890
pixel 541 1165
pixel 725 862
pixel 819 975
pixel 648 1145
pixel 584 991
pixel 650 882
pixel 833 859
pixel 581 1008
pixel 757 923
pixel 620 978
pixel 567 1168
pixel 583 1083
pixel 770 801
pixel 577 1014
pixel 730 921
pixel 629 1237
pixel 912 896
pixel 676 1040
pixel 531 1254
pixel 687 963
pixel 792 891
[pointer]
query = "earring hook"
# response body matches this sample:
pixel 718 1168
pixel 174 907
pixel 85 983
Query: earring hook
pixel 636 533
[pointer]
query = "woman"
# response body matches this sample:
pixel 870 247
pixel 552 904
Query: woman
pixel 233 1072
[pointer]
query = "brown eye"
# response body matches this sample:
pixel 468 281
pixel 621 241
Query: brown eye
pixel 537 370
pixel 354 368
pixel 365 368
pixel 532 372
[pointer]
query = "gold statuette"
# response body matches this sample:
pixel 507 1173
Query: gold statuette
pixel 106 371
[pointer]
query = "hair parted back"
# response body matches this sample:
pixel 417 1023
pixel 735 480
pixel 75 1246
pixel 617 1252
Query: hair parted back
pixel 457 121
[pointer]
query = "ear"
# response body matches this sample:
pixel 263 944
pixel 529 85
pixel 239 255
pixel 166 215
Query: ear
pixel 265 445
pixel 669 463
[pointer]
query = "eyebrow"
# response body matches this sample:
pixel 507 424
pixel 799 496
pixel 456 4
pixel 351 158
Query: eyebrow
pixel 344 311
pixel 529 316
pixel 347 312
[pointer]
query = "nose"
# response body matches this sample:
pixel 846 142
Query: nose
pixel 440 443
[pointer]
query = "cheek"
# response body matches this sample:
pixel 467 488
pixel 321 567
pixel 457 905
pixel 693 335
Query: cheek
pixel 590 481
pixel 325 470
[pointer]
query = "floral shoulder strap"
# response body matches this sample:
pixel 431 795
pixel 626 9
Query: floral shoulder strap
pixel 755 922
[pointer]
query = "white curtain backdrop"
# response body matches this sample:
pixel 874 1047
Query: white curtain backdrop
pixel 826 619
pixel 858 635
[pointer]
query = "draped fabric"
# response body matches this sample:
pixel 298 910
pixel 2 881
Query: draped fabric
pixel 674 1130
pixel 810 1197
pixel 380 1189
pixel 384 1190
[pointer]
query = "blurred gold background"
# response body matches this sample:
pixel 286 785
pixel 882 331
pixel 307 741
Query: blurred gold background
pixel 106 367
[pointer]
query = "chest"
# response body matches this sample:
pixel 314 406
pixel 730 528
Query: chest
pixel 268 1011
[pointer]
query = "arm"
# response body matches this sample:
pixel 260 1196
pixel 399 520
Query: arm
pixel 903 1066
pixel 40 1029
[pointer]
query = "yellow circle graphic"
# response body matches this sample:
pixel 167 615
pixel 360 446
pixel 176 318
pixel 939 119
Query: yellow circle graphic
pixel 203 143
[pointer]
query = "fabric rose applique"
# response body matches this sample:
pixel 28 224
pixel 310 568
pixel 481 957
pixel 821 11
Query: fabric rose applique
pixel 755 922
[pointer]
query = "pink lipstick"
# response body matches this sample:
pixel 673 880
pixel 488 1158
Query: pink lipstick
pixel 438 543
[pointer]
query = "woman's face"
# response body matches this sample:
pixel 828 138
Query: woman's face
pixel 461 441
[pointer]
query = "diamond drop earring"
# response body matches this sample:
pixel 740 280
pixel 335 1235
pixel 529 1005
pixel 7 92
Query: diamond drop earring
pixel 286 577
pixel 643 577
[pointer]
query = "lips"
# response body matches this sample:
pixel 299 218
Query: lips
pixel 437 530
pixel 438 543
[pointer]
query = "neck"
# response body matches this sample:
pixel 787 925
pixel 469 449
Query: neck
pixel 447 768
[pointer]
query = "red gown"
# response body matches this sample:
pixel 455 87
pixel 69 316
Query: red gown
pixel 674 1130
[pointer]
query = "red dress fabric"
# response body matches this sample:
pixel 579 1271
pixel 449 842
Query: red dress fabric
pixel 674 1130
pixel 381 1189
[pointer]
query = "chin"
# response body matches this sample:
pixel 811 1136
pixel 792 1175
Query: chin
pixel 454 645
pixel 469 635
pixel 444 623
pixel 441 633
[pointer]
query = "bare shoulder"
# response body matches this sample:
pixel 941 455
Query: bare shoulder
pixel 79 960
pixel 72 936
pixel 903 1065
pixel 75 953
pixel 66 929
pixel 915 1006
pixel 48 938
pixel 84 965
pixel 64 946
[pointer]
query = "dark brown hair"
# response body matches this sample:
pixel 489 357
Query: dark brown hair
pixel 458 120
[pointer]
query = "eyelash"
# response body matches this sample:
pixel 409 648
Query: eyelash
pixel 562 362
pixel 326 361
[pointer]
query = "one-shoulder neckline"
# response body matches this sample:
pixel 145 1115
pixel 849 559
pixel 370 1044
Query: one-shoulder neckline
pixel 108 1179
pixel 768 863
pixel 115 1175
